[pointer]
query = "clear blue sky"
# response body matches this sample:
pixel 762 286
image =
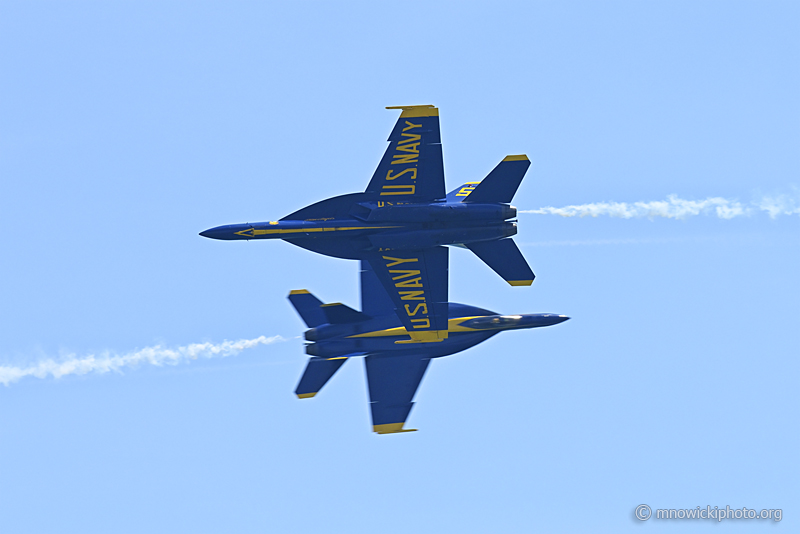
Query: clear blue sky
pixel 128 127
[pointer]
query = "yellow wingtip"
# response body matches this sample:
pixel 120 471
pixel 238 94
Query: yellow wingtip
pixel 426 110
pixel 305 395
pixel 299 292
pixel 392 428
pixel 520 282
pixel 411 107
pixel 518 157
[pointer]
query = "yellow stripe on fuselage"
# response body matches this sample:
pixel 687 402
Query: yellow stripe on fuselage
pixel 252 232
pixel 453 325
pixel 426 336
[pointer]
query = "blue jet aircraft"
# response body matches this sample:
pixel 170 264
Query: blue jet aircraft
pixel 395 360
pixel 399 224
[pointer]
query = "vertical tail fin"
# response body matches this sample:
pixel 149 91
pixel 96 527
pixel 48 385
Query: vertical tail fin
pixel 505 259
pixel 460 193
pixel 502 183
pixel 338 313
pixel 308 307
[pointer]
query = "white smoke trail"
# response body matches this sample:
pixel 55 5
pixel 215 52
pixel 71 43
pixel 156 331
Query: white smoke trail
pixel 737 238
pixel 678 208
pixel 107 361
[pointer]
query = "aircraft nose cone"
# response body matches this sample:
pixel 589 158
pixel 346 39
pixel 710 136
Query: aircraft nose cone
pixel 546 319
pixel 216 233
pixel 229 232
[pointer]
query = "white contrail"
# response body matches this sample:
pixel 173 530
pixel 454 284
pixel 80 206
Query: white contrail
pixel 678 208
pixel 103 363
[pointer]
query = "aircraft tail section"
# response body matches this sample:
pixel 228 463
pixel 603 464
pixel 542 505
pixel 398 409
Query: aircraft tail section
pixel 308 307
pixel 505 259
pixel 338 313
pixel 314 312
pixel 318 372
pixel 502 183
pixel 461 192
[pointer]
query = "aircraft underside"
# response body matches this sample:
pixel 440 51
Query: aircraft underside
pixel 400 228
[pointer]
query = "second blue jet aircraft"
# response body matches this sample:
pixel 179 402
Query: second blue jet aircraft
pixel 395 360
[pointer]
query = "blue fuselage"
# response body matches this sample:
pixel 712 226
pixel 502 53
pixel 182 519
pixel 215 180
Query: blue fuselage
pixel 349 225
pixel 467 326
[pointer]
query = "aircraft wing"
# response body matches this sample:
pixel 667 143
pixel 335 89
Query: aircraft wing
pixel 375 301
pixel 416 283
pixel 392 382
pixel 412 169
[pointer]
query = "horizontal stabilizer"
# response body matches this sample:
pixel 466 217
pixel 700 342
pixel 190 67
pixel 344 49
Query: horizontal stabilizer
pixel 505 259
pixel 338 313
pixel 502 183
pixel 317 373
pixel 308 307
